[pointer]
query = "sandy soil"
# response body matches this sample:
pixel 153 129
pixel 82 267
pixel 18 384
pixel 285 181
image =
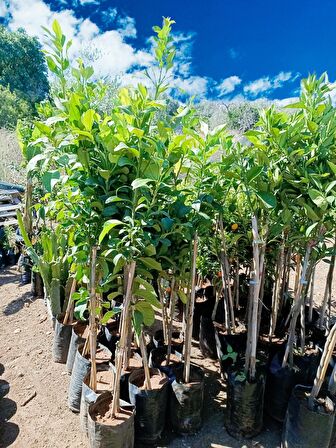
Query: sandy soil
pixel 27 369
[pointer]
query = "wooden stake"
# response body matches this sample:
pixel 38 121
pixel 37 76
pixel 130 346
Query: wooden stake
pixel 324 363
pixel 143 350
pixel 190 314
pixel 277 291
pixel 68 318
pixel 92 320
pixel 164 312
pixel 296 310
pixel 171 318
pixel 122 342
pixel 328 287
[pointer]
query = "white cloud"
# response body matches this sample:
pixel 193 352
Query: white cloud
pixel 127 27
pixel 267 84
pixel 89 2
pixel 193 85
pixel 286 101
pixel 228 85
pixel 258 86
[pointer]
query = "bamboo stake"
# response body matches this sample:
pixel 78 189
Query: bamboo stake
pixel 324 363
pixel 122 342
pixel 164 312
pixel 296 310
pixel 277 291
pixel 332 382
pixel 214 311
pixel 142 345
pixel 251 361
pixel 226 273
pixel 190 314
pixel 171 318
pixel 237 283
pixel 27 217
pixel 92 320
pixel 68 318
pixel 297 273
pixel 328 287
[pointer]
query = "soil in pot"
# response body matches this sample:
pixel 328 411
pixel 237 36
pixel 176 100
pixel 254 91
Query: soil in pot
pixel 186 401
pixel 207 340
pixel 79 333
pixel 308 428
pixel 105 432
pixel 62 337
pixel 245 402
pixel 150 405
pixel 105 377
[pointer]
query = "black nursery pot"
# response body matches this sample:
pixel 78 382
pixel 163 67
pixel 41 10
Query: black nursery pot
pixel 108 436
pixel 108 336
pixel 62 337
pixel 207 341
pixel 186 401
pixel 306 428
pixel 150 406
pixel 37 287
pixel 80 368
pixel 245 402
pixel 76 339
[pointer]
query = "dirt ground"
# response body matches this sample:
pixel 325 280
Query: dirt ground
pixel 28 372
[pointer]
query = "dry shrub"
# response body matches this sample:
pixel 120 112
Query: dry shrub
pixel 10 158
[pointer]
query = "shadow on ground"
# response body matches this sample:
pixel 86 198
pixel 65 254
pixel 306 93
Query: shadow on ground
pixel 8 430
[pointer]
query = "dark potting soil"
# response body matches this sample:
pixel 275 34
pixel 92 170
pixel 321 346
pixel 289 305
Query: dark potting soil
pixel 157 381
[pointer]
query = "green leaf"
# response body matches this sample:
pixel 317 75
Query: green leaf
pixel 88 119
pixel 118 261
pixel 254 172
pixel 310 229
pixel 183 297
pixel 114 294
pixel 50 179
pixel 317 197
pixel 107 316
pixel 332 166
pixel 147 312
pixel 108 226
pixel 137 183
pixel 33 162
pixel 310 213
pixel 148 296
pixel 167 224
pixel 151 263
pixel 137 321
pixel 268 198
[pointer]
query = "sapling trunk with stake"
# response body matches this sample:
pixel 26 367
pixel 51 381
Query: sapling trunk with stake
pixel 92 320
pixel 298 300
pixel 323 366
pixel 171 318
pixel 278 287
pixel 311 295
pixel 190 313
pixel 122 347
pixel 68 317
pixel 328 287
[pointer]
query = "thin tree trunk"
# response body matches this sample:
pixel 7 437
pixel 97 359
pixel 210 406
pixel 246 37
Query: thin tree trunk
pixel 324 363
pixel 123 340
pixel 171 318
pixel 92 320
pixel 328 287
pixel 190 314
pixel 164 312
pixel 277 291
pixel 68 318
pixel 27 217
pixel 253 323
pixel 226 274
pixel 296 310
pixel 145 360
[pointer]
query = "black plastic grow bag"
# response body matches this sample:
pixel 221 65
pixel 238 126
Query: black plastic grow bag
pixel 186 401
pixel 207 341
pixel 245 402
pixel 306 428
pixel 62 337
pixel 150 407
pixel 80 369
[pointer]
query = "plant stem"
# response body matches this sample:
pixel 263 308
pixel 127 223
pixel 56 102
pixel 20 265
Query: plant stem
pixel 123 339
pixel 171 318
pixel 190 314
pixel 145 360
pixel 328 287
pixel 92 320
pixel 68 318
pixel 324 363
pixel 299 297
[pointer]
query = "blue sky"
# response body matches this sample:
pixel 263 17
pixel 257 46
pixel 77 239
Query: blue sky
pixel 229 48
